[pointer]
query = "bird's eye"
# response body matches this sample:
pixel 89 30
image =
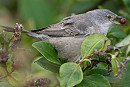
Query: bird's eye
pixel 109 16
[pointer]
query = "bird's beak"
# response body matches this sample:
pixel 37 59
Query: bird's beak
pixel 116 22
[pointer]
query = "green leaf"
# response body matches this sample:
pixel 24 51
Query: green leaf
pixel 5 84
pixel 111 78
pixel 70 75
pixel 124 42
pixel 127 30
pixel 47 50
pixel 97 71
pixel 92 42
pixel 119 60
pixel 87 60
pixel 43 62
pixel 116 32
pixel 126 76
pixel 94 80
pixel 114 66
pixel 127 4
pixel 128 50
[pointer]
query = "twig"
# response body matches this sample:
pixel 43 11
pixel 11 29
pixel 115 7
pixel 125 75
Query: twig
pixel 108 73
pixel 12 77
pixel 7 47
pixel 6 68
pixel 86 68
pixel 95 62
pixel 9 73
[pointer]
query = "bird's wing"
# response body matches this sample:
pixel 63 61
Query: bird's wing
pixel 69 26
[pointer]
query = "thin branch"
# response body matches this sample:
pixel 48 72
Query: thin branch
pixel 9 74
pixel 7 47
pixel 6 68
pixel 12 77
pixel 86 68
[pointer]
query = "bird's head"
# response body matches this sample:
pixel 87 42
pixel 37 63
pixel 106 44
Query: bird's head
pixel 106 16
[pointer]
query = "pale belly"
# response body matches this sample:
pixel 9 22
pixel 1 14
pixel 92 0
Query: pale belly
pixel 68 47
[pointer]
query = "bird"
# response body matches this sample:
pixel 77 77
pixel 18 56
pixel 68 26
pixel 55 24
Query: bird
pixel 67 35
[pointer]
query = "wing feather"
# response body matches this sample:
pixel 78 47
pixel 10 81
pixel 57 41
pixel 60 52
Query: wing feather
pixel 69 26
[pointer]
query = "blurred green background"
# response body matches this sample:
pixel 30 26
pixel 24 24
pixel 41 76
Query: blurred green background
pixel 36 14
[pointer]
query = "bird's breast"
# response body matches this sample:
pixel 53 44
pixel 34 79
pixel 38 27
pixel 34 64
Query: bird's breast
pixel 67 47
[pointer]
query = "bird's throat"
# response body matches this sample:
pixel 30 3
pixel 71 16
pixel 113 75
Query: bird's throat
pixel 105 27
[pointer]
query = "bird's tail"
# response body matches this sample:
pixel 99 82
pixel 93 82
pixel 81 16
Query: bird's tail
pixel 41 37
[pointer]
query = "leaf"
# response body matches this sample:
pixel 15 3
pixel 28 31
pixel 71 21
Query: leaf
pixel 94 80
pixel 92 42
pixel 128 50
pixel 97 71
pixel 114 66
pixel 127 30
pixel 5 84
pixel 119 60
pixel 87 60
pixel 116 32
pixel 48 65
pixel 127 4
pixel 70 75
pixel 111 78
pixel 126 77
pixel 47 50
pixel 124 42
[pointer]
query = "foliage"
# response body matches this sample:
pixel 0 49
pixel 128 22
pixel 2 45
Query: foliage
pixel 94 80
pixel 71 73
pixel 100 66
pixel 126 75
pixel 45 48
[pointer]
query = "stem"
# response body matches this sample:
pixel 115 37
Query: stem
pixel 108 73
pixel 108 53
pixel 12 77
pixel 8 73
pixel 88 57
pixel 7 47
pixel 6 68
pixel 86 68
pixel 103 46
pixel 3 77
pixel 95 62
